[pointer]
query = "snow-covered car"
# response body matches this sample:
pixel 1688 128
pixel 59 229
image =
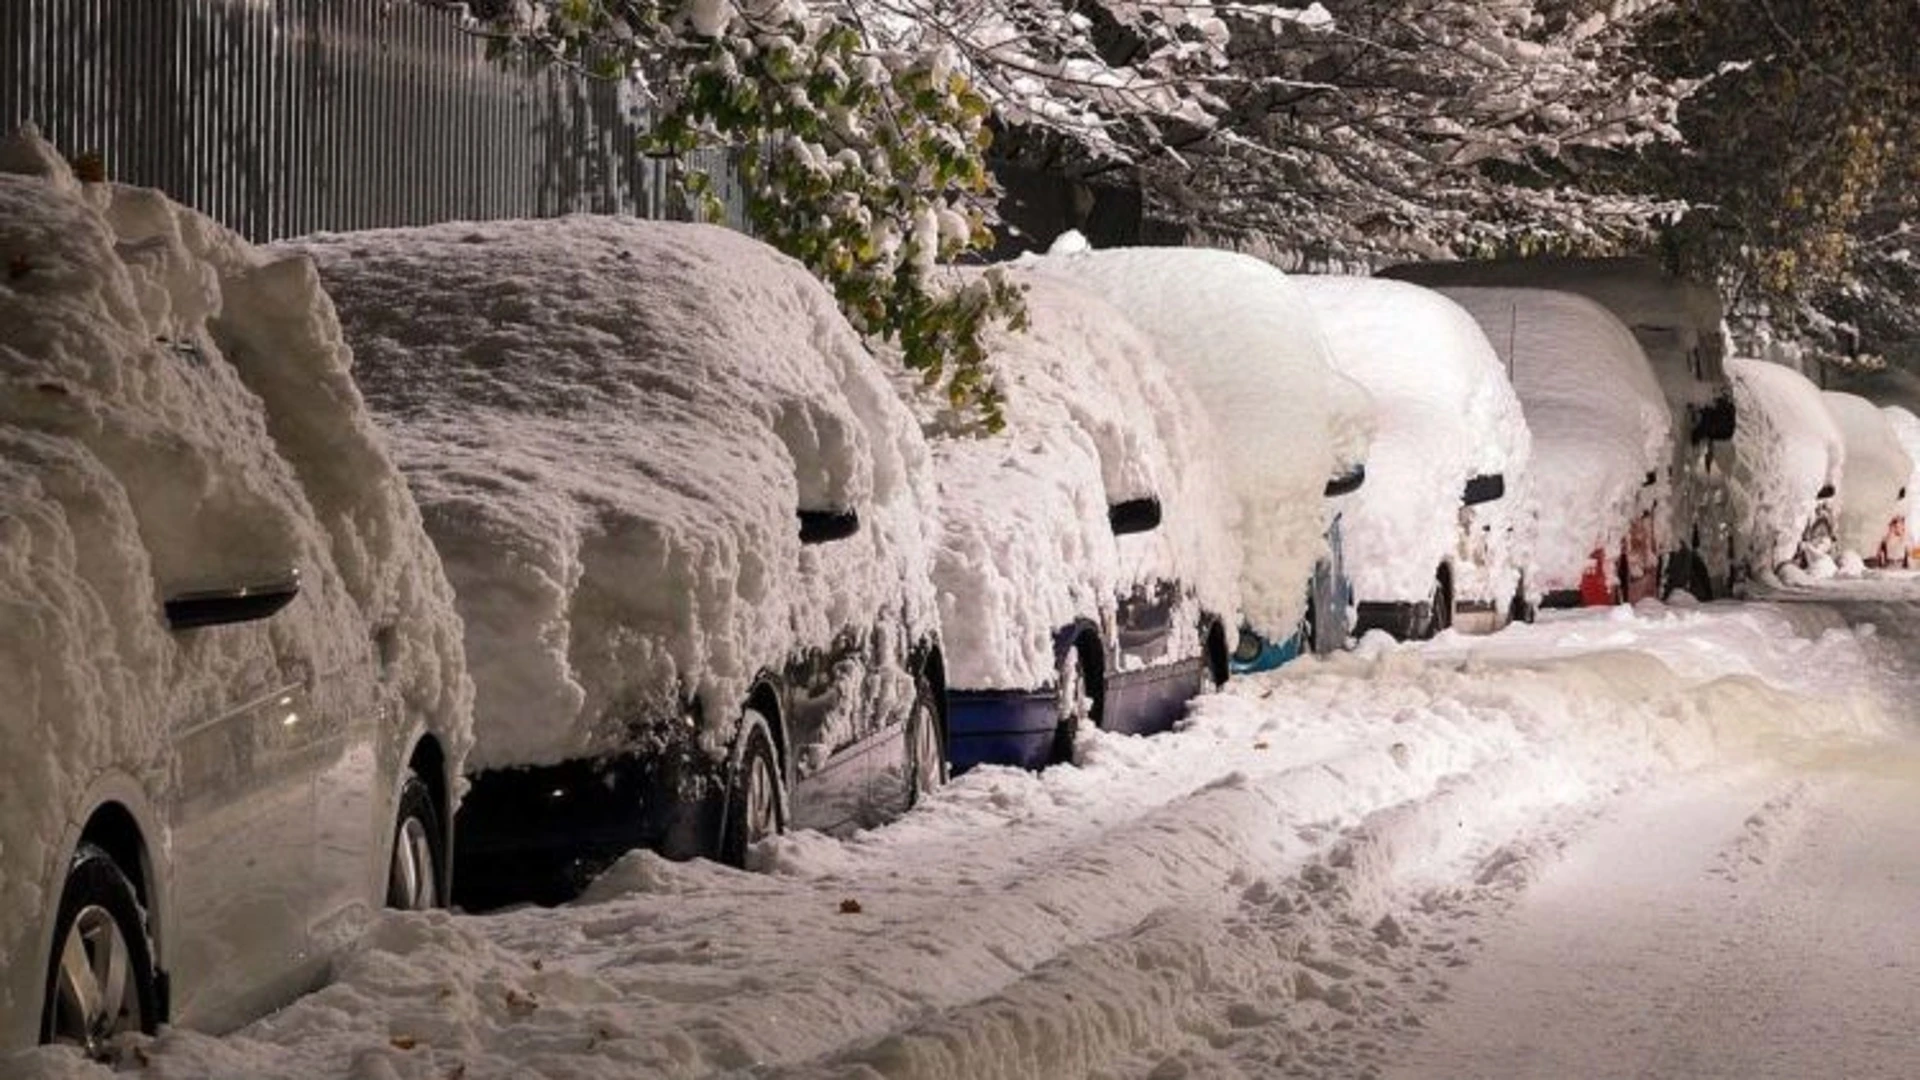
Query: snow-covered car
pixel 1237 331
pixel 1906 428
pixel 236 702
pixel 1678 324
pixel 1438 531
pixel 1788 457
pixel 681 507
pixel 1085 568
pixel 1602 442
pixel 1873 485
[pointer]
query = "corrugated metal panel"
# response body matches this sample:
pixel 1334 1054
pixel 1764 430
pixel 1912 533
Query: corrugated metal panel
pixel 283 117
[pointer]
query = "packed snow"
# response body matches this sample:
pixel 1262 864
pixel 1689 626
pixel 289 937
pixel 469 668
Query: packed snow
pixel 1241 335
pixel 1873 485
pixel 610 426
pixel 1026 548
pixel 1599 422
pixel 1786 450
pixel 176 415
pixel 1288 885
pixel 1445 412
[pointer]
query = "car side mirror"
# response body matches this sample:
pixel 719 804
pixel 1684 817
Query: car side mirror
pixel 1134 516
pixel 241 603
pixel 1482 489
pixel 825 526
pixel 1347 482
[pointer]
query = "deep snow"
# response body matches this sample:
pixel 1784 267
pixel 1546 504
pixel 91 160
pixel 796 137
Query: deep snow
pixel 1289 885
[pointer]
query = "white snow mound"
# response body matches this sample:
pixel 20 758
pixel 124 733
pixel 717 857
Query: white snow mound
pixel 1785 450
pixel 1874 483
pixel 611 425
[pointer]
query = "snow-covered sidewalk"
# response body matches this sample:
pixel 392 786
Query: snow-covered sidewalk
pixel 1290 884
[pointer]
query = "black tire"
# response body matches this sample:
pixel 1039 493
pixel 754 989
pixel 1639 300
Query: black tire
pixel 926 740
pixel 755 809
pixel 100 933
pixel 1310 628
pixel 1075 699
pixel 1520 610
pixel 1440 617
pixel 417 862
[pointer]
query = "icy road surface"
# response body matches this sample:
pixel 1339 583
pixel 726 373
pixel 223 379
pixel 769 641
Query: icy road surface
pixel 1664 842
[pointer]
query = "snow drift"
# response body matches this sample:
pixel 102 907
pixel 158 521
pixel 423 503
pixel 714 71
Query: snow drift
pixel 1598 419
pixel 610 425
pixel 1243 337
pixel 1445 413
pixel 175 414
pixel 1873 486
pixel 1785 451
pixel 1093 418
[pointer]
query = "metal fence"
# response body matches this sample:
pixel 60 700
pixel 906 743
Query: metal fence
pixel 284 117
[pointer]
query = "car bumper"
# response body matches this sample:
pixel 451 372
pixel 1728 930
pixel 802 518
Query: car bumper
pixel 1001 727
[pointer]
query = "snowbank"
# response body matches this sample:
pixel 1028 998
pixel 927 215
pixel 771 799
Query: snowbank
pixel 610 426
pixel 1598 419
pixel 1873 487
pixel 176 414
pixel 1906 428
pixel 1445 413
pixel 1243 337
pixel 1026 548
pixel 1785 450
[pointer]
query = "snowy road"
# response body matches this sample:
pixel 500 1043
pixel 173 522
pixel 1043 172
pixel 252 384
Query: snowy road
pixel 1665 842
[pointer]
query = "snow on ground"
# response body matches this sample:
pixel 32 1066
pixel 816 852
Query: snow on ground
pixel 1285 886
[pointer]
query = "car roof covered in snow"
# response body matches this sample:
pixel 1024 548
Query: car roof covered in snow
pixel 611 425
pixel 1238 332
pixel 1445 413
pixel 1026 547
pixel 1599 422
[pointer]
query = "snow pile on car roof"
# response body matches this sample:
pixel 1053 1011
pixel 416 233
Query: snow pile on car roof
pixel 1445 413
pixel 1785 450
pixel 1026 547
pixel 1874 482
pixel 1906 428
pixel 176 415
pixel 1598 420
pixel 611 425
pixel 1243 338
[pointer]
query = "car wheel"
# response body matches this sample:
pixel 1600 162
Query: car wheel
pixel 100 979
pixel 1441 607
pixel 927 740
pixel 754 810
pixel 413 873
pixel 1073 700
pixel 1310 629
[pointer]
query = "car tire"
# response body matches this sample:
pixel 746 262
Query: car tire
pixel 1310 628
pixel 101 950
pixel 1074 697
pixel 755 807
pixel 1440 613
pixel 926 740
pixel 415 877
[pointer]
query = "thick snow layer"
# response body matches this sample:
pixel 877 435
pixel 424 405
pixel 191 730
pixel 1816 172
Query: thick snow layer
pixel 1289 885
pixel 1445 413
pixel 1026 548
pixel 610 426
pixel 175 415
pixel 1599 422
pixel 1786 449
pixel 1874 482
pixel 1242 336
pixel 1906 428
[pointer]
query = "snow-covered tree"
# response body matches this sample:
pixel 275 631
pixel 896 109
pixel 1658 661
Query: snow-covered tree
pixel 862 161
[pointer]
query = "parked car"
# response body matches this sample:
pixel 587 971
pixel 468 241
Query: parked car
pixel 1430 537
pixel 1788 455
pixel 1678 324
pixel 681 508
pixel 1602 442
pixel 236 700
pixel 1238 332
pixel 1084 567
pixel 1873 486
pixel 1906 427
